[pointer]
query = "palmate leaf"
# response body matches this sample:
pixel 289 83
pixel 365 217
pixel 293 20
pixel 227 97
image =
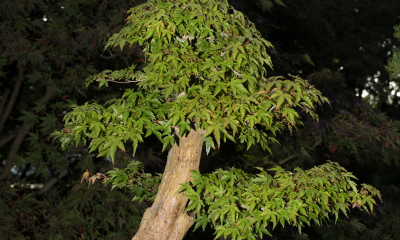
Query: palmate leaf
pixel 209 144
pixel 291 114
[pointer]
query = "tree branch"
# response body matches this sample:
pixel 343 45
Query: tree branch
pixel 13 151
pixel 4 99
pixel 49 184
pixel 106 168
pixel 126 61
pixel 109 57
pixel 19 138
pixel 122 82
pixel 294 155
pixel 102 6
pixel 8 138
pixel 286 159
pixel 13 97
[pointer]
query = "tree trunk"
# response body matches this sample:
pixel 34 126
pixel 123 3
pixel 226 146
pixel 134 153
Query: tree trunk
pixel 166 219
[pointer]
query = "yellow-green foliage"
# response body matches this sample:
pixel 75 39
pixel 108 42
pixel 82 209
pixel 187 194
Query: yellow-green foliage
pixel 205 71
pixel 243 205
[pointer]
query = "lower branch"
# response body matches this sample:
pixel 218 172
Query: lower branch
pixel 13 97
pixel 19 138
pixel 47 186
pixel 294 155
pixel 3 100
pixel 13 151
pixel 8 138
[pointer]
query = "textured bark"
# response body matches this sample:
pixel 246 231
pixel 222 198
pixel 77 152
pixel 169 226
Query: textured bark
pixel 166 219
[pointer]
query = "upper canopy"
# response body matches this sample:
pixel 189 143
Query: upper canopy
pixel 206 71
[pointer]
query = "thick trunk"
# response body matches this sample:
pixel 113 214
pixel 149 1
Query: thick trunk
pixel 166 219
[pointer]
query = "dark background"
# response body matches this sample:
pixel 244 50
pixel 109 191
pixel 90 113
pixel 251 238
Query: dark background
pixel 48 48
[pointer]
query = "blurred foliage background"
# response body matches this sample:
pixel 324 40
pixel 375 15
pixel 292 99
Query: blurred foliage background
pixel 49 47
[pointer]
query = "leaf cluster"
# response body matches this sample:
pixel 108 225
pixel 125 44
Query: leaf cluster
pixel 205 72
pixel 142 184
pixel 243 205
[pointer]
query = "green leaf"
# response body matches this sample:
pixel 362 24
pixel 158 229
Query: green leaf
pixel 209 144
pixel 217 135
pixel 281 99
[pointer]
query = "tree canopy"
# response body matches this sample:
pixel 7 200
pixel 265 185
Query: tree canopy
pixel 205 72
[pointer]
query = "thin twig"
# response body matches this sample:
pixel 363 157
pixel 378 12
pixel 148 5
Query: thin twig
pixel 109 57
pixel 294 155
pixel 46 187
pixel 126 61
pixel 124 82
pixel 101 8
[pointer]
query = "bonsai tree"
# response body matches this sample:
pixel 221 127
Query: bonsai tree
pixel 205 82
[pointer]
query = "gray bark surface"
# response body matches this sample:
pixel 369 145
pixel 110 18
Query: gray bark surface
pixel 166 219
